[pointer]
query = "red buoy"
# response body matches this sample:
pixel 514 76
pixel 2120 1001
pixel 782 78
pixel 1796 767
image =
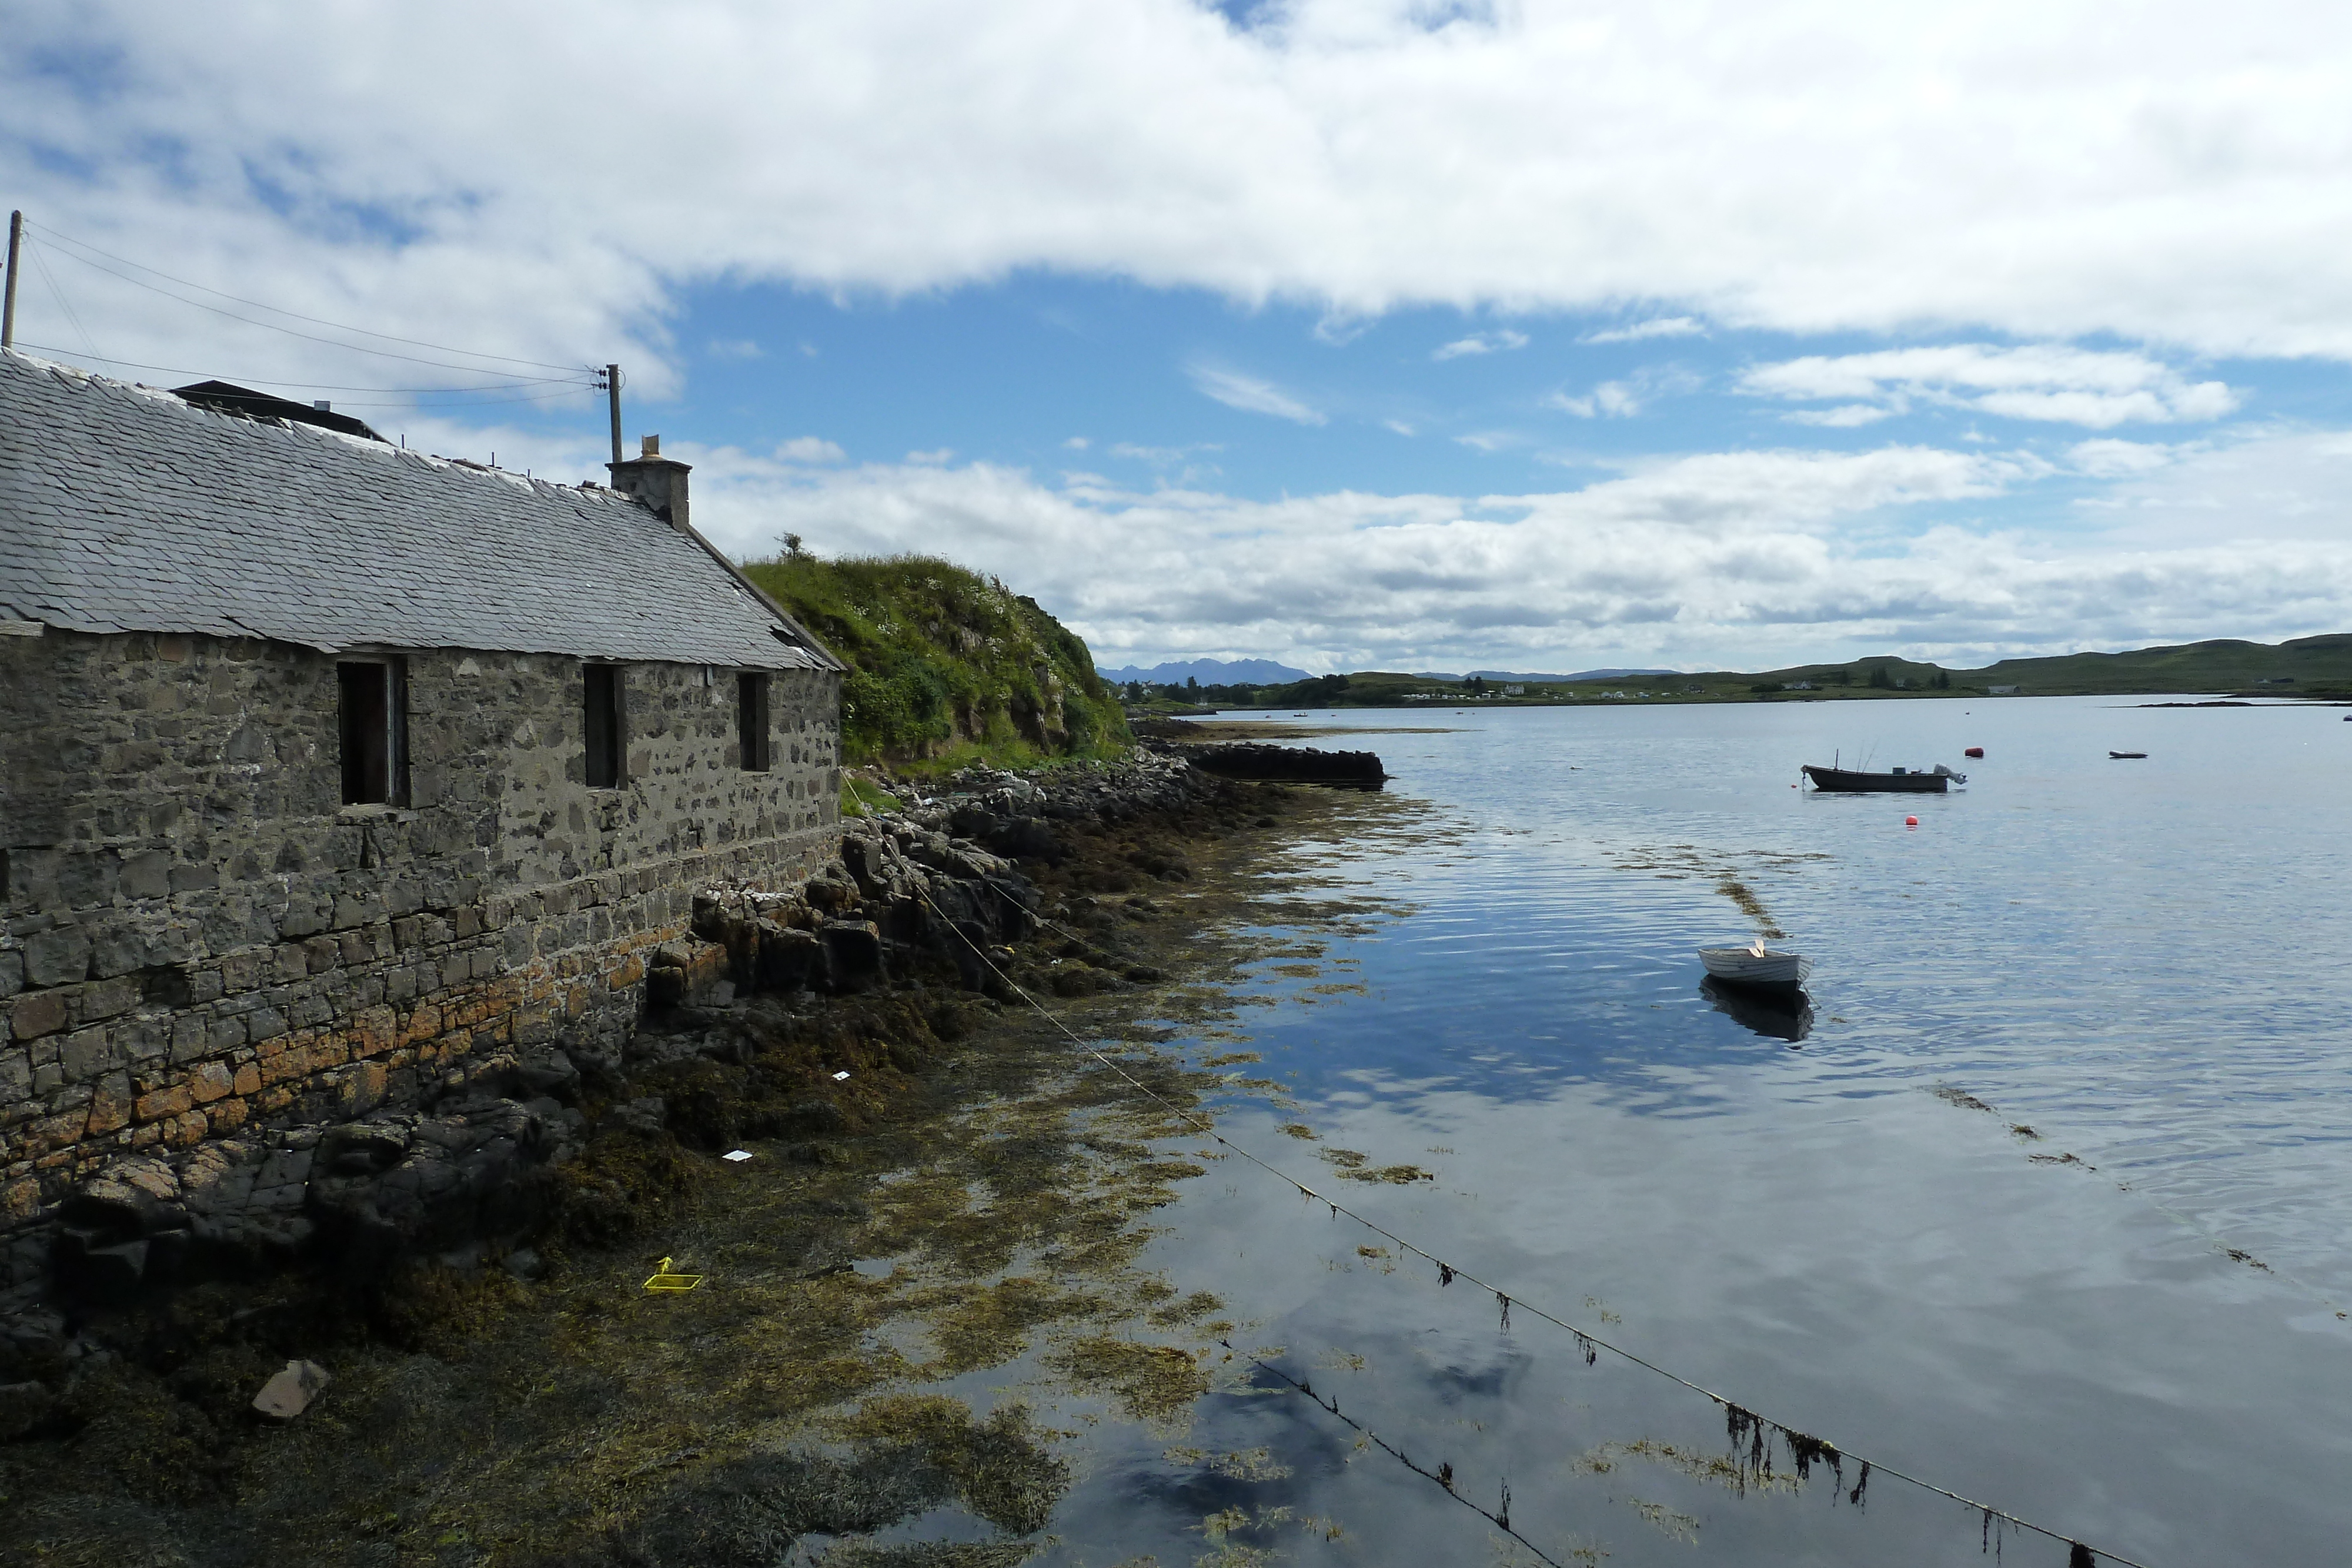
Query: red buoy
pixel 1977 751
pixel 1910 822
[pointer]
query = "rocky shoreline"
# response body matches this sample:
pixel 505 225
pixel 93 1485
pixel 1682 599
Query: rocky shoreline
pixel 799 1022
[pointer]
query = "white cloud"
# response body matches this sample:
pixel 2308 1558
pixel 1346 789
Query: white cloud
pixel 2110 459
pixel 1337 328
pixel 1846 416
pixel 1077 444
pixel 1732 559
pixel 1352 158
pixel 1399 426
pixel 1629 396
pixel 734 349
pixel 1163 455
pixel 1489 441
pixel 1660 327
pixel 1251 395
pixel 1481 343
pixel 1614 400
pixel 2097 387
pixel 811 449
pixel 933 458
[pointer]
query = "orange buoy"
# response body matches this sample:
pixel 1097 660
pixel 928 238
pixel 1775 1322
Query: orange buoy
pixel 1975 751
pixel 1910 822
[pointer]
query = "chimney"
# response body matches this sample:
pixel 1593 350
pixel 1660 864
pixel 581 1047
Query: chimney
pixel 657 482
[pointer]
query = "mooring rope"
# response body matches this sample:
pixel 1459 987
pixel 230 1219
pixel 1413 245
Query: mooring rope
pixel 1441 1476
pixel 1739 1417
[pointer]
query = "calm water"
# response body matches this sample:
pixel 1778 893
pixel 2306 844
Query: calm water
pixel 2144 962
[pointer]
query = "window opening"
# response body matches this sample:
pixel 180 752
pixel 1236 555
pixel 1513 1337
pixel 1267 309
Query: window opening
pixel 751 721
pixel 607 733
pixel 374 732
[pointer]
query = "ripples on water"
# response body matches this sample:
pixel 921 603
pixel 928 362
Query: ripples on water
pixel 2141 962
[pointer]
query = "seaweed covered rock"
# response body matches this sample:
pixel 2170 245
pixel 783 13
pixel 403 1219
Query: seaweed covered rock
pixel 1293 765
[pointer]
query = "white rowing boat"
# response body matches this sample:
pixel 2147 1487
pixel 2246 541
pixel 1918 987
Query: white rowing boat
pixel 1756 965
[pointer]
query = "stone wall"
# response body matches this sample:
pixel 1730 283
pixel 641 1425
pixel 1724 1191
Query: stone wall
pixel 200 936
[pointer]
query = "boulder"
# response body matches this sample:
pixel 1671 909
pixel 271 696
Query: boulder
pixel 361 1148
pixel 138 1197
pixel 789 958
pixel 853 953
pixel 96 1271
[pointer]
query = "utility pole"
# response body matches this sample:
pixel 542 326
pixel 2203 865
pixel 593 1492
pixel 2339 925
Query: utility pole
pixel 612 372
pixel 8 307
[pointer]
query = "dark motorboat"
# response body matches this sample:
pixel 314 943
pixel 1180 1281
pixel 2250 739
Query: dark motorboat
pixel 2127 756
pixel 1901 781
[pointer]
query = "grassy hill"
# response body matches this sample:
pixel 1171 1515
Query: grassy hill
pixel 946 666
pixel 2306 666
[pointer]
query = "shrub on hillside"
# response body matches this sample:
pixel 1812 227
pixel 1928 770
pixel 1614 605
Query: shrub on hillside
pixel 944 662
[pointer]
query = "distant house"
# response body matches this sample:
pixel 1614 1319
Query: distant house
pixel 328 764
pixel 1514 691
pixel 1797 686
pixel 2003 691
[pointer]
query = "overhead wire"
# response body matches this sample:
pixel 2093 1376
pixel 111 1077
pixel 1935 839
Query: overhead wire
pixel 295 315
pixel 1589 1341
pixel 307 337
pixel 64 305
pixel 311 386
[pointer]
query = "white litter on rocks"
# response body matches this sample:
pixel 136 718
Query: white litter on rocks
pixel 290 1392
pixel 839 1076
pixel 738 1155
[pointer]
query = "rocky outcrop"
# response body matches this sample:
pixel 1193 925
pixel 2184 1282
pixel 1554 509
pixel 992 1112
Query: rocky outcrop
pixel 1293 765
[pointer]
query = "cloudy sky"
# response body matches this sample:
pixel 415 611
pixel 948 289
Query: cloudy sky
pixel 1392 333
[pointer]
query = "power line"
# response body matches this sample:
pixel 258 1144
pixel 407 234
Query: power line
pixel 296 315
pixel 477 403
pixel 1803 1446
pixel 307 337
pixel 59 296
pixel 312 386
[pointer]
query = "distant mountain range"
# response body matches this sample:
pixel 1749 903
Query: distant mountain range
pixel 1519 675
pixel 1210 672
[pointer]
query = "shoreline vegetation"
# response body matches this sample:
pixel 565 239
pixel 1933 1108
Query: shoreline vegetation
pixel 2310 668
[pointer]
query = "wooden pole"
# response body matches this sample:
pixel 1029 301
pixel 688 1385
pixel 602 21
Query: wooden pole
pixel 8 307
pixel 612 383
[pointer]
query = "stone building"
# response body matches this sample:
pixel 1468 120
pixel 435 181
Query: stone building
pixel 325 764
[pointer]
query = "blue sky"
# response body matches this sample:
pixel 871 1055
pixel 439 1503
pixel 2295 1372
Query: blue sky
pixel 1371 335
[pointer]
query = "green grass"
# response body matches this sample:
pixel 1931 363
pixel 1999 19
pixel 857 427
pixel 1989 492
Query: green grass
pixel 946 666
pixel 860 798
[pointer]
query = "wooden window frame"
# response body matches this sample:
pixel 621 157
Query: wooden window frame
pixel 372 729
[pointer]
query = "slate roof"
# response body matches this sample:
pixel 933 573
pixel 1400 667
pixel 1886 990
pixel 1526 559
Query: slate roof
pixel 124 509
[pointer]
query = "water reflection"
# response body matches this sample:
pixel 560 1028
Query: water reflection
pixel 1812 1229
pixel 1776 1015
